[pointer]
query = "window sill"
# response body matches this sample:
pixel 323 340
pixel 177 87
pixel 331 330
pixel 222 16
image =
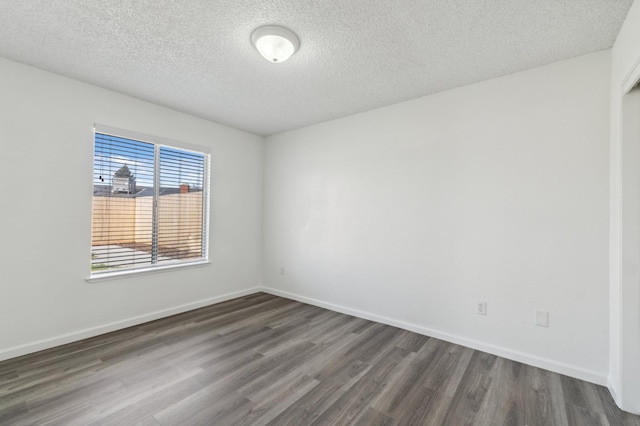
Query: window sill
pixel 108 276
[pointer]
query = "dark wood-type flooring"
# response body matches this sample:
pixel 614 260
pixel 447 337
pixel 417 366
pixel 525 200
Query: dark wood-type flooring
pixel 265 360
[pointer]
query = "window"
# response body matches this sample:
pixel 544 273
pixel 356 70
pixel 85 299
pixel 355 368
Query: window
pixel 150 203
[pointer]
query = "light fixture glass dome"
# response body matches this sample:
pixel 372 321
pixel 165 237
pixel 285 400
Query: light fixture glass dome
pixel 275 44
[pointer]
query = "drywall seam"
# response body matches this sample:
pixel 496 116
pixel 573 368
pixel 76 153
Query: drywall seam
pixel 63 339
pixel 536 361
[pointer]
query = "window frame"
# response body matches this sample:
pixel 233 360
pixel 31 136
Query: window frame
pixel 158 142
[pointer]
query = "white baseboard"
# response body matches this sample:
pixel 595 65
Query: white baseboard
pixel 612 391
pixel 525 358
pixel 63 339
pixel 536 361
pixel 616 397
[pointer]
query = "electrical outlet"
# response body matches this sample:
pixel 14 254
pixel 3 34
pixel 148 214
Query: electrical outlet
pixel 541 318
pixel 281 271
pixel 481 308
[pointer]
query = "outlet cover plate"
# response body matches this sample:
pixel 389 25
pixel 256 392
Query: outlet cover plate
pixel 541 318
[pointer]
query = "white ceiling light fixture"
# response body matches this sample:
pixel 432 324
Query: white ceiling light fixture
pixel 275 44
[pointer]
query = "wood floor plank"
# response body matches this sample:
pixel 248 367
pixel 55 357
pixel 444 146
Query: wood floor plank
pixel 270 318
pixel 411 341
pixel 266 360
pixel 472 390
pixel 357 398
pixel 308 408
pixel 207 406
pixel 148 421
pixel 581 394
pixel 372 417
pixel 9 413
pixel 432 414
pixel 504 402
pixel 584 417
pixel 132 411
pixel 445 373
pixel 273 400
pixel 268 368
pixel 544 398
pixel 395 399
pixel 133 404
pixel 60 407
pixel 238 343
pixel 365 347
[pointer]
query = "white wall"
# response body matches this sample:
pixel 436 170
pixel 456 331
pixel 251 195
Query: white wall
pixel 624 374
pixel 46 124
pixel 493 192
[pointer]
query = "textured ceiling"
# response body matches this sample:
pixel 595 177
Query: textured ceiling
pixel 196 56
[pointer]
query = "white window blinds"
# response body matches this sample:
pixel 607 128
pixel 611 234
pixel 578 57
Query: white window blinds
pixel 180 205
pixel 150 204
